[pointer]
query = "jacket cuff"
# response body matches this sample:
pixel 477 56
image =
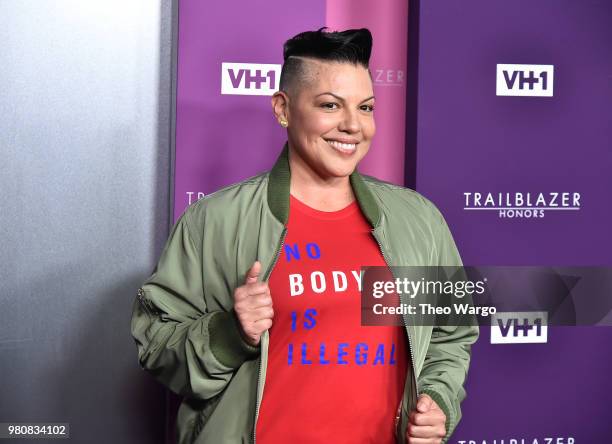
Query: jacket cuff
pixel 450 420
pixel 226 342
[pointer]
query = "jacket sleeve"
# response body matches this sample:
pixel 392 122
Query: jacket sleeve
pixel 191 350
pixel 448 356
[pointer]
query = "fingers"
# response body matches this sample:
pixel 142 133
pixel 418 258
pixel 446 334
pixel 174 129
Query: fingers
pixel 425 403
pixel 255 322
pixel 432 417
pixel 263 325
pixel 253 273
pixel 254 328
pixel 429 432
pixel 253 305
pixel 259 314
pixel 250 291
pixel 260 301
pixel 253 295
pixel 423 440
pixel 426 428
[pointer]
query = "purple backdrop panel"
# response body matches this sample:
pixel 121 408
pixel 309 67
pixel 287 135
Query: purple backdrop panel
pixel 471 140
pixel 534 143
pixel 224 138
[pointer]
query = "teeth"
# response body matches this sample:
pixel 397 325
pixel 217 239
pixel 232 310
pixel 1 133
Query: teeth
pixel 344 146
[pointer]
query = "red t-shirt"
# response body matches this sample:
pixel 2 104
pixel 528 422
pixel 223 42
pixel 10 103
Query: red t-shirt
pixel 329 379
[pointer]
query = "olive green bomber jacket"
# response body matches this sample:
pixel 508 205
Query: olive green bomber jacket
pixel 187 335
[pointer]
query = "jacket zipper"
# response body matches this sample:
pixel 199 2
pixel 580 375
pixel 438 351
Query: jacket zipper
pixel 267 275
pixel 412 374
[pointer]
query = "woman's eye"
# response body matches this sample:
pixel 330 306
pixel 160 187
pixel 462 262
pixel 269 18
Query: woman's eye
pixel 330 105
pixel 368 108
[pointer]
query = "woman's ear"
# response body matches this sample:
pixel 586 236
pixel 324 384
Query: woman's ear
pixel 280 106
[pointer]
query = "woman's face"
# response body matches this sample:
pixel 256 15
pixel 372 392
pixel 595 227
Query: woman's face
pixel 330 117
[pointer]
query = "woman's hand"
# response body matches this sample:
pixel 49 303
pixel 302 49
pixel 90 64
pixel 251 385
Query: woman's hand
pixel 253 306
pixel 427 425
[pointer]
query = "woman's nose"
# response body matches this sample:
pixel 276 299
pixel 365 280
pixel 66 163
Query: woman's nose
pixel 350 122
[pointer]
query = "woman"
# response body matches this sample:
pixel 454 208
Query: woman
pixel 253 312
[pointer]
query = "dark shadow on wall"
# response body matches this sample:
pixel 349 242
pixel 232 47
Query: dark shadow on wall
pixel 166 143
pixel 412 95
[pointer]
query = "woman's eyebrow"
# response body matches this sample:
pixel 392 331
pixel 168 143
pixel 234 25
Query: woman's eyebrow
pixel 341 98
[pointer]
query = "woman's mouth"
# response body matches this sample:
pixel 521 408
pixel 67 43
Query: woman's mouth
pixel 345 148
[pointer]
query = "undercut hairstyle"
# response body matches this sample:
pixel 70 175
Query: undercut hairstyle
pixel 350 46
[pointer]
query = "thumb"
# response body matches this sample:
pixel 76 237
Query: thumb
pixel 424 403
pixel 253 273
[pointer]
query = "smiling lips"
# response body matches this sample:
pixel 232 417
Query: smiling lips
pixel 346 148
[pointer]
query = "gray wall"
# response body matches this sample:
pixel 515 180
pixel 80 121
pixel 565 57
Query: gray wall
pixel 86 100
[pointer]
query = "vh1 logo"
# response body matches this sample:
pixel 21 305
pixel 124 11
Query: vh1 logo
pixel 525 80
pixel 522 327
pixel 251 79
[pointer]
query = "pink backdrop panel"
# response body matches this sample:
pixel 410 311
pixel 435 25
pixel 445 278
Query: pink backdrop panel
pixel 388 22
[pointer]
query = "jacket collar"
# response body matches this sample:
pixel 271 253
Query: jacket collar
pixel 278 191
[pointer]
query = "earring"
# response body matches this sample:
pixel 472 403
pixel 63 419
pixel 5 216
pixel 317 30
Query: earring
pixel 283 122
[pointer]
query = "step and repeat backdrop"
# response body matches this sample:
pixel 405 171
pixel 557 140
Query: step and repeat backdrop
pixel 512 141
pixel 514 145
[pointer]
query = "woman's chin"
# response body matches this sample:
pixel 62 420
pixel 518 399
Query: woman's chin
pixel 343 170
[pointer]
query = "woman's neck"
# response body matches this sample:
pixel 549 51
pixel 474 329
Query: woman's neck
pixel 324 194
pixel 323 198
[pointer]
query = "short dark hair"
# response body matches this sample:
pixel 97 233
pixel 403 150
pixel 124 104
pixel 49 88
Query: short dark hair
pixel 350 46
